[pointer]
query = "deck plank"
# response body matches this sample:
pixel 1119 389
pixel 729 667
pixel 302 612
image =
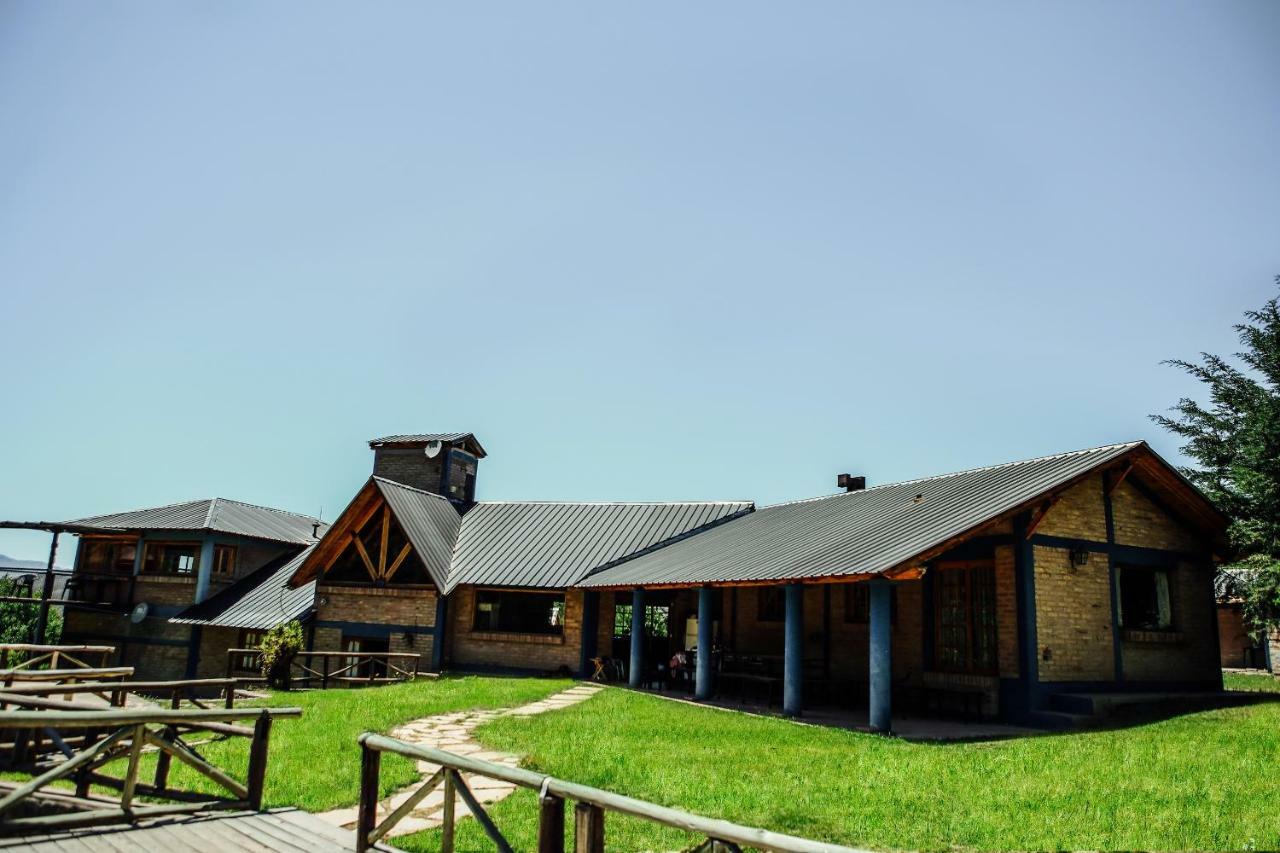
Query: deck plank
pixel 275 831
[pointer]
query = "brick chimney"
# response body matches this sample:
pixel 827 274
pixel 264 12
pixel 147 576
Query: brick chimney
pixel 444 463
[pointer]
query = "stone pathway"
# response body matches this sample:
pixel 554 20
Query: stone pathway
pixel 453 732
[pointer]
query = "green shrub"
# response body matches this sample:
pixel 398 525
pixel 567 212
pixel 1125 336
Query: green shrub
pixel 279 647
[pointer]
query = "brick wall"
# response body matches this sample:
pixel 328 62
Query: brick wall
pixel 537 652
pixel 1234 642
pixel 164 590
pixel 155 648
pixel 1073 617
pixel 370 610
pixel 1006 612
pixel 1078 513
pixel 1140 522
pixel 410 466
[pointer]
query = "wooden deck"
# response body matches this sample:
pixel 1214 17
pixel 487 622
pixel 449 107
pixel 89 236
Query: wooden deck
pixel 283 830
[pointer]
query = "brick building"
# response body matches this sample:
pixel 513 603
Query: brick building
pixel 1010 590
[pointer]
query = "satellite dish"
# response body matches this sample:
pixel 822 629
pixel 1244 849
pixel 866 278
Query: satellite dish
pixel 433 449
pixel 139 612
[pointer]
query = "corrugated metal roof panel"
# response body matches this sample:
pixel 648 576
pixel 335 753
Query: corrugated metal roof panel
pixel 261 600
pixel 430 522
pixel 862 532
pixel 216 514
pixel 550 545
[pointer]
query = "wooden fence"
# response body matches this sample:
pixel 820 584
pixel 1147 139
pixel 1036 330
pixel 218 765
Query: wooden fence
pixel 16 657
pixel 321 669
pixel 109 735
pixel 592 804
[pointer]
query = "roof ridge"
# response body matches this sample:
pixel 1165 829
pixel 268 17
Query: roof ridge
pixel 209 513
pixel 267 508
pixel 407 487
pixel 980 468
pixel 617 503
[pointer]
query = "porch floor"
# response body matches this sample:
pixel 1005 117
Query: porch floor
pixel 855 719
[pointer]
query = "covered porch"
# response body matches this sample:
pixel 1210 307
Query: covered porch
pixel 870 651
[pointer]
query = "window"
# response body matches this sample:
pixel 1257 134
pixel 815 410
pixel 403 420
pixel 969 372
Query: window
pixel 106 556
pixel 965 617
pixel 224 560
pixel 657 618
pixel 519 612
pixel 1144 598
pixel 171 558
pixel 249 639
pixel 771 604
pixel 857 604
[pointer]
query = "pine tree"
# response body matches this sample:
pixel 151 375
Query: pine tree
pixel 1235 439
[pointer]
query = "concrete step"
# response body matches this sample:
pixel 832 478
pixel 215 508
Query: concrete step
pixel 1060 721
pixel 1073 703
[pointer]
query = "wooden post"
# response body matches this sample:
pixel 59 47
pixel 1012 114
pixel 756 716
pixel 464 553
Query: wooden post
pixel 258 761
pixel 367 818
pixel 551 825
pixel 793 652
pixel 447 816
pixel 230 700
pixel 162 762
pixel 588 828
pixel 324 670
pixel 131 775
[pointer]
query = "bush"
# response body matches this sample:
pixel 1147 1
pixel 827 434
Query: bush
pixel 279 647
pixel 18 619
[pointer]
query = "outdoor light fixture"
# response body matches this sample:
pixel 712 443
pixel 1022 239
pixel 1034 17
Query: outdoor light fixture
pixel 1079 557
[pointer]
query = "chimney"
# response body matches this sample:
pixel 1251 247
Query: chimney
pixel 850 483
pixel 444 463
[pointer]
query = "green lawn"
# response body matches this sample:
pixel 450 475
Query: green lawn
pixel 315 760
pixel 1254 683
pixel 1205 781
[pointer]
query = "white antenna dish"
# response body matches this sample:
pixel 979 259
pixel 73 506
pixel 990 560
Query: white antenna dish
pixel 139 612
pixel 433 449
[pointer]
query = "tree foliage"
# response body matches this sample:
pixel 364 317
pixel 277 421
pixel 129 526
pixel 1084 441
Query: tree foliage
pixel 1235 439
pixel 279 647
pixel 18 619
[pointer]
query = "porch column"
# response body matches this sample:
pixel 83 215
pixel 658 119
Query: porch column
pixel 438 629
pixel 204 570
pixel 793 652
pixel 880 645
pixel 706 614
pixel 590 631
pixel 637 637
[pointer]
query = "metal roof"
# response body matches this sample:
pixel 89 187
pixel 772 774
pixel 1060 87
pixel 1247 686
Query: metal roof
pixel 260 600
pixel 423 438
pixel 430 521
pixel 217 514
pixel 863 532
pixel 556 544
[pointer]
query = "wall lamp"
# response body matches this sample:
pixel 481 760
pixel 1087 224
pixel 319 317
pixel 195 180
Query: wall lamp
pixel 1079 557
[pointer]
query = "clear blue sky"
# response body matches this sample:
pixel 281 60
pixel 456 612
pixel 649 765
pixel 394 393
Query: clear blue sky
pixel 711 250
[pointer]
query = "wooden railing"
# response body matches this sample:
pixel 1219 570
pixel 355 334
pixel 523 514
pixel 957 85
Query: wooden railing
pixel 588 814
pixel 194 691
pixel 110 735
pixel 27 656
pixel 312 669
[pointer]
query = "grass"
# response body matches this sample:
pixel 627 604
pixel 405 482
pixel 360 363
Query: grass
pixel 1251 682
pixel 1203 781
pixel 315 761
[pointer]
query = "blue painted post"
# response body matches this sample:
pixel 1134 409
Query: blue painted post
pixel 637 637
pixel 706 615
pixel 880 644
pixel 590 630
pixel 204 570
pixel 793 652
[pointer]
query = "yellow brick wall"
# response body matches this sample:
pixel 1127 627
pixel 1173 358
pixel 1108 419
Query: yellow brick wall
pixel 1006 612
pixel 1073 617
pixel 1187 653
pixel 542 652
pixel 1078 513
pixel 164 590
pixel 1140 522
pixel 390 605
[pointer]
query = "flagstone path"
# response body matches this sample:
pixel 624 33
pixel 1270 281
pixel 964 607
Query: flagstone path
pixel 453 732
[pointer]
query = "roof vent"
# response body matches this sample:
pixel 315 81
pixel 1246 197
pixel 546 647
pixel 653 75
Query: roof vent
pixel 850 483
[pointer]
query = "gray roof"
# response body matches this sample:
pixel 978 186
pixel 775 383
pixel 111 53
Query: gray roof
pixel 259 600
pixel 425 437
pixel 863 532
pixel 556 544
pixel 216 514
pixel 429 521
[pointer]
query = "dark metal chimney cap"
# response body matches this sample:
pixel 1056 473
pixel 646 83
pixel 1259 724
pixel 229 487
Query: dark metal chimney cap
pixel 850 483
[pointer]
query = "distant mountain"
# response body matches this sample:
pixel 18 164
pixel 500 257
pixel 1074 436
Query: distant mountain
pixel 8 563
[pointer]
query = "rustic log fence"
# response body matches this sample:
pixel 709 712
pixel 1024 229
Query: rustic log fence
pixel 110 735
pixel 312 669
pixel 15 657
pixel 591 806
